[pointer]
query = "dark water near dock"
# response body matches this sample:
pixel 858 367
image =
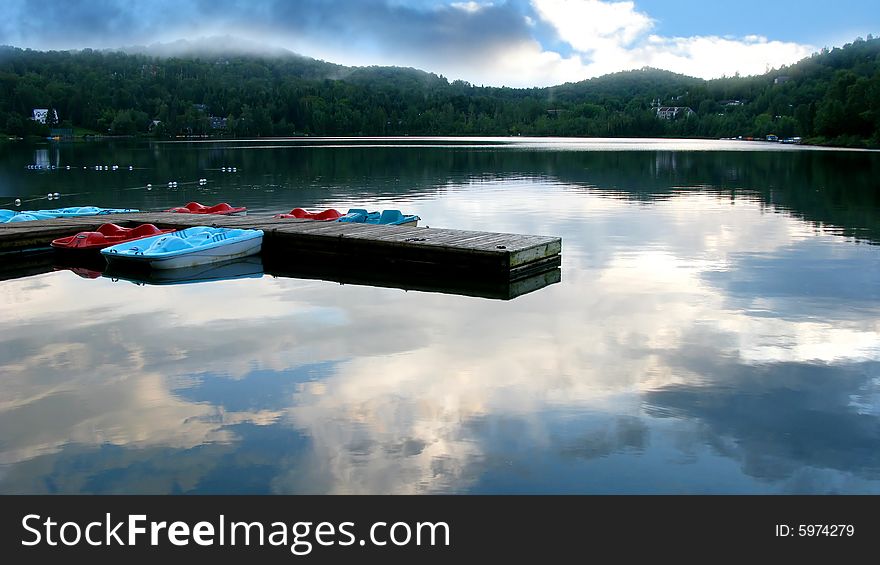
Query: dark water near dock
pixel 716 328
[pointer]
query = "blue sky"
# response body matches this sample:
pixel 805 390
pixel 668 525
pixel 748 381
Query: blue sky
pixel 497 42
pixel 815 22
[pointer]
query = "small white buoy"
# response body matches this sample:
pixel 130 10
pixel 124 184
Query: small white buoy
pixel 18 201
pixel 170 184
pixel 115 167
pixel 149 185
pixel 68 167
pixel 223 169
pixel 234 169
pixel 84 167
pixel 49 196
pixel 57 195
pixel 130 168
pixel 106 168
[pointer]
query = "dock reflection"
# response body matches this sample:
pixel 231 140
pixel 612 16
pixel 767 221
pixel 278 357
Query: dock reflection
pixel 433 280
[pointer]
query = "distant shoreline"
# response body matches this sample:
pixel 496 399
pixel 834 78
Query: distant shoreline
pixel 630 143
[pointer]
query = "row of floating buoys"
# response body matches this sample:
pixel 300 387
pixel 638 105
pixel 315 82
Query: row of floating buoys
pixel 104 168
pixel 68 167
pixel 56 195
pixel 110 167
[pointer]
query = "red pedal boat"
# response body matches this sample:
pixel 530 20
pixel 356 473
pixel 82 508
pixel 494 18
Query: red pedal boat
pixel 223 209
pixel 324 216
pixel 105 236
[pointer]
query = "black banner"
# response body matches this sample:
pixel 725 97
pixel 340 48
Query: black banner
pixel 429 529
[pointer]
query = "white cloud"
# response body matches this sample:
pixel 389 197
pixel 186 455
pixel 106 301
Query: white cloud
pixel 589 25
pixel 471 7
pixel 712 57
pixel 605 37
pixel 523 64
pixel 613 36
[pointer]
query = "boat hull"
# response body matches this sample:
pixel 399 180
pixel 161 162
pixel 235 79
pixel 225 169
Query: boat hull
pixel 212 245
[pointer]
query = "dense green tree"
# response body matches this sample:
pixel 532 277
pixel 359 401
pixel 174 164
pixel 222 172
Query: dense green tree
pixel 831 97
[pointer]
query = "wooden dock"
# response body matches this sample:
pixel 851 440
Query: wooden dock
pixel 494 265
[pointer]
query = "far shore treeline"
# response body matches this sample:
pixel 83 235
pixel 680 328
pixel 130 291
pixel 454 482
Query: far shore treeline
pixel 832 97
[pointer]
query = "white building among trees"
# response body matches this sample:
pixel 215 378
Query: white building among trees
pixel 40 115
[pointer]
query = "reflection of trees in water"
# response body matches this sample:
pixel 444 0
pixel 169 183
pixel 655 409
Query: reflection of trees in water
pixel 836 188
pixel 828 187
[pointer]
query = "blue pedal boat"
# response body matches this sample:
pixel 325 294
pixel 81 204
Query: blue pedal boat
pixel 12 216
pixel 386 217
pixel 193 246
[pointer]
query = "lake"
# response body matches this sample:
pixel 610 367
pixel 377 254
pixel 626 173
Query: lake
pixel 715 328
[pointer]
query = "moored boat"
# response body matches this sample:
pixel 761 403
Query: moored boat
pixel 105 236
pixel 386 217
pixel 222 209
pixel 322 216
pixel 193 246
pixel 11 216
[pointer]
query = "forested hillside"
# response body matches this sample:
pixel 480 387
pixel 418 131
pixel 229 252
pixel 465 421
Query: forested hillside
pixel 832 97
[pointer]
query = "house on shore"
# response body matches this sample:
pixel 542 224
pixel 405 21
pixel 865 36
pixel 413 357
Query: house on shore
pixel 40 115
pixel 673 112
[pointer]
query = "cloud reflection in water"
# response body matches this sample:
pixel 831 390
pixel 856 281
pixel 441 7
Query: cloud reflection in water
pixel 665 355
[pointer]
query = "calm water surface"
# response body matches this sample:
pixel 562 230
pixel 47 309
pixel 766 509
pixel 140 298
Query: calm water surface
pixel 716 328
